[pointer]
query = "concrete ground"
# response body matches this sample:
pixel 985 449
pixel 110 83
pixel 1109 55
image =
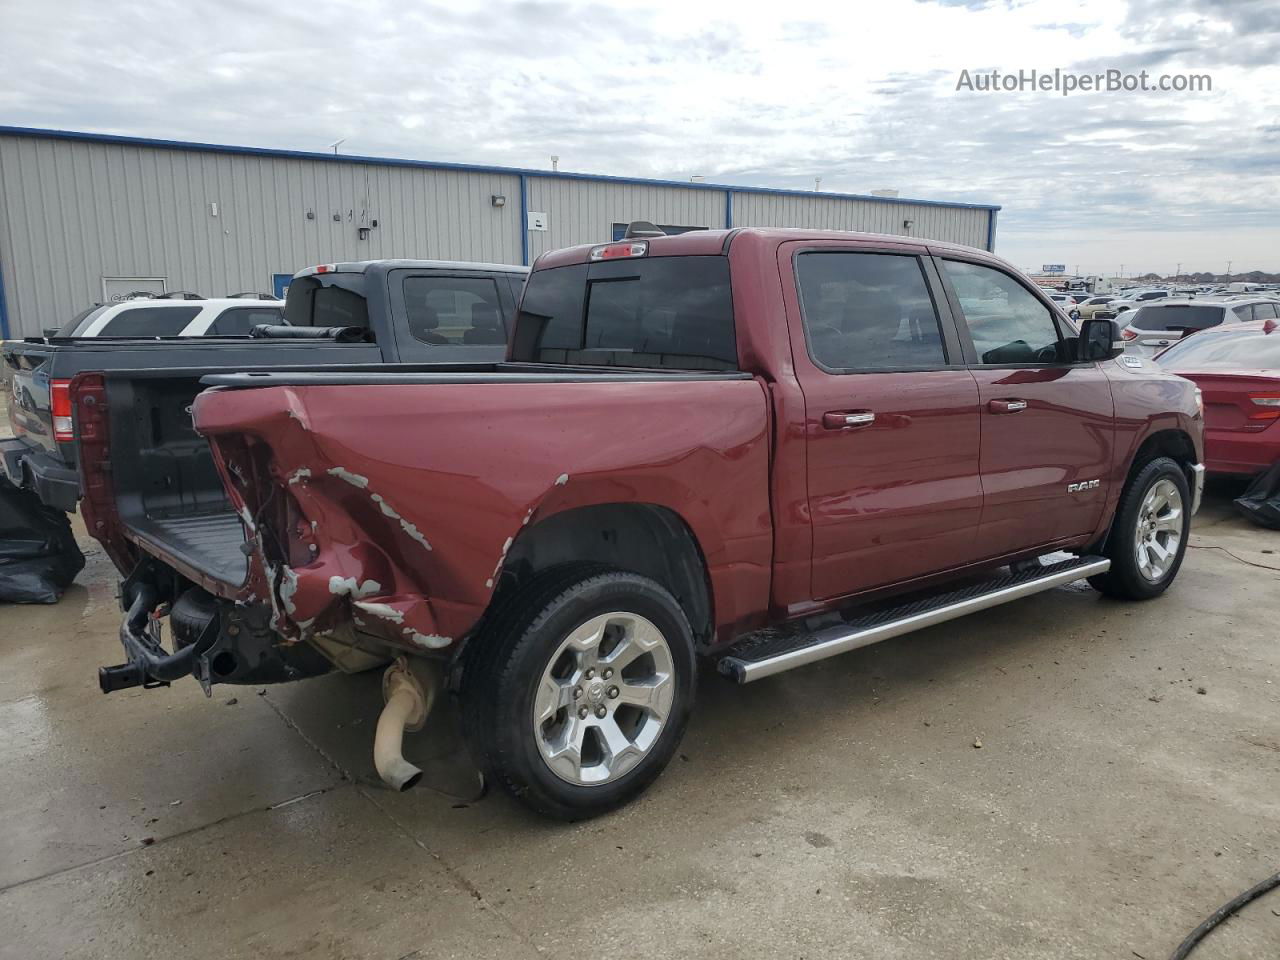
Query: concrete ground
pixel 1126 785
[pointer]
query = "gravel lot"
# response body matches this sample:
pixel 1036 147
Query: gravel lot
pixel 1125 786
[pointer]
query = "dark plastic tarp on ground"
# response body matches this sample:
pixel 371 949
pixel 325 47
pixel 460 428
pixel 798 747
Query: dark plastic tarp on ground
pixel 1261 502
pixel 38 553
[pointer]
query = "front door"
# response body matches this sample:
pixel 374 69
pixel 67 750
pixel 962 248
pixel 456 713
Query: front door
pixel 892 421
pixel 1047 420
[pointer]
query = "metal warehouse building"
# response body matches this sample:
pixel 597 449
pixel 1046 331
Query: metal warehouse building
pixel 86 218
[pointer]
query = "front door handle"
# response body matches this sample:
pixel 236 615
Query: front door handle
pixel 840 419
pixel 1007 406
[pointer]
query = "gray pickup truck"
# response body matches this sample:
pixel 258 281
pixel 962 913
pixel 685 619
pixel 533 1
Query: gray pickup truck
pixel 388 311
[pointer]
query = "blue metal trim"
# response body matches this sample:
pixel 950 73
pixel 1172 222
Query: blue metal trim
pixel 728 209
pixel 460 167
pixel 524 219
pixel 991 230
pixel 4 309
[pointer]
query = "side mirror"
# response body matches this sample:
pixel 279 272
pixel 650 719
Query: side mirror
pixel 1100 340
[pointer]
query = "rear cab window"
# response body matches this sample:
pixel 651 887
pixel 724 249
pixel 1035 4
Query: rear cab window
pixel 328 300
pixel 655 312
pixel 1165 317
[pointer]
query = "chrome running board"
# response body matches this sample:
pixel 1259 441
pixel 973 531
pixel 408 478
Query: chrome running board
pixel 769 652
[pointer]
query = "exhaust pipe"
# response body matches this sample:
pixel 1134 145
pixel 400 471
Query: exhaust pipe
pixel 407 706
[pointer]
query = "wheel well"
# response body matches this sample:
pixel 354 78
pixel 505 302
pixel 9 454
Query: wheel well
pixel 645 539
pixel 1167 443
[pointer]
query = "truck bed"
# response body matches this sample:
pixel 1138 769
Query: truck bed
pixel 208 542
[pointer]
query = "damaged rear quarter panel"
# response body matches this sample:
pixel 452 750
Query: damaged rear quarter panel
pixel 413 494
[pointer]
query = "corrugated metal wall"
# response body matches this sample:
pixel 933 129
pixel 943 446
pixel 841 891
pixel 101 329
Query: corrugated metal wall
pixel 583 211
pixel 952 224
pixel 73 211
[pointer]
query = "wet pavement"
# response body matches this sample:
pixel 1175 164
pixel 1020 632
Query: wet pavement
pixel 1126 785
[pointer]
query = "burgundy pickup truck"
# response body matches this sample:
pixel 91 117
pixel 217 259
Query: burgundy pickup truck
pixel 752 449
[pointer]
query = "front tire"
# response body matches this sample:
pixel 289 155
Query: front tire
pixel 1149 536
pixel 577 694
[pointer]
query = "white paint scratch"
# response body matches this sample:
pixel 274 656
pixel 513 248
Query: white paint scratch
pixel 299 475
pixel 405 525
pixel 347 587
pixel 562 480
pixel 352 478
pixel 383 610
pixel 429 640
pixel 288 587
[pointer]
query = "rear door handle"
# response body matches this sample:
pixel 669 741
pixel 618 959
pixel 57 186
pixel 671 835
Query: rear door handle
pixel 1007 406
pixel 840 419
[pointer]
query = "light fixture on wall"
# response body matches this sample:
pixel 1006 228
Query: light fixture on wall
pixel 908 224
pixel 363 233
pixel 498 200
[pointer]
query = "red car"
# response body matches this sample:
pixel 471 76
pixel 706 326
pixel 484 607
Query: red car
pixel 1238 370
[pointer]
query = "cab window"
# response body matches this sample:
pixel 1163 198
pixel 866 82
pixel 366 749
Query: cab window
pixel 454 310
pixel 868 311
pixel 1006 322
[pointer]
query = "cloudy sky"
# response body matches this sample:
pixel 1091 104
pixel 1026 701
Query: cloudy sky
pixel 862 95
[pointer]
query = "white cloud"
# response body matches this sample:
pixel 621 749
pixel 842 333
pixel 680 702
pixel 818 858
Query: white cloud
pixel 862 95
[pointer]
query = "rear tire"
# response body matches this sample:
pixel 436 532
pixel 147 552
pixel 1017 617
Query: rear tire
pixel 578 692
pixel 1149 536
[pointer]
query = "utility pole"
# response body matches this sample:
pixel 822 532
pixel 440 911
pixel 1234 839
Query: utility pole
pixel 336 144
pixel 555 163
pixel 1228 269
pixel 817 184
pixel 1177 273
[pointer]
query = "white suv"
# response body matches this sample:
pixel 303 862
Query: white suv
pixel 159 317
pixel 1158 325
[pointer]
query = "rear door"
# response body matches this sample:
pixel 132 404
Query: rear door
pixel 891 416
pixel 1047 420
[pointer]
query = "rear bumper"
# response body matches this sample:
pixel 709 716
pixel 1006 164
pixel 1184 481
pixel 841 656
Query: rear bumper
pixel 1239 453
pixel 224 642
pixel 56 484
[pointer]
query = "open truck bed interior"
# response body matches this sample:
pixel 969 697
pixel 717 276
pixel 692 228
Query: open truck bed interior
pixel 169 494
